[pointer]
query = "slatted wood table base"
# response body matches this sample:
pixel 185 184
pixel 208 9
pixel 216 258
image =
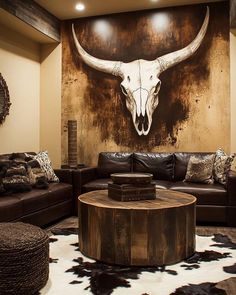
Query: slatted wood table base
pixel 147 232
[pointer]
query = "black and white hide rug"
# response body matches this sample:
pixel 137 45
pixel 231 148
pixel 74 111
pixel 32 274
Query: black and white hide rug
pixel 71 273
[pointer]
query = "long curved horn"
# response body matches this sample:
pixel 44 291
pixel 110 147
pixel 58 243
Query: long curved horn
pixel 168 60
pixel 107 66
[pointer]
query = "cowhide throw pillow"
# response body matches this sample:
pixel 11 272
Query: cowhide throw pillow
pixel 15 178
pixel 37 176
pixel 45 164
pixel 4 165
pixel 222 165
pixel 200 169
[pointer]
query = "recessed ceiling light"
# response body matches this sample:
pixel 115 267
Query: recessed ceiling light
pixel 80 6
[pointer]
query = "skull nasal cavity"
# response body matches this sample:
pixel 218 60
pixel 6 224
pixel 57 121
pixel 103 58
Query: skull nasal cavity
pixel 142 122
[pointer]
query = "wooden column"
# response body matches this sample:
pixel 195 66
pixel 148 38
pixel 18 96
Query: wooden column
pixel 72 143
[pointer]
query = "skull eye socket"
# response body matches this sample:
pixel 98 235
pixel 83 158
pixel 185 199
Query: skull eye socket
pixel 128 77
pixel 157 88
pixel 123 90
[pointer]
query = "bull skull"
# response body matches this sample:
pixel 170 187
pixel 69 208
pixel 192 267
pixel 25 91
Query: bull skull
pixel 140 78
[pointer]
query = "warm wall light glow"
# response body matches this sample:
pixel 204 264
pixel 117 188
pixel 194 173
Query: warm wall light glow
pixel 103 29
pixel 154 0
pixel 160 21
pixel 80 6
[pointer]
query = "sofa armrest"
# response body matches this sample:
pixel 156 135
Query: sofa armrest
pixel 64 175
pixel 231 188
pixel 82 176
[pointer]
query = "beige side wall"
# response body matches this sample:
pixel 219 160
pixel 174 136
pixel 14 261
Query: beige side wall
pixel 233 90
pixel 20 67
pixel 50 102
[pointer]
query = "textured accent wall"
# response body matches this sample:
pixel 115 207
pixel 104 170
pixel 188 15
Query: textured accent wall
pixel 193 113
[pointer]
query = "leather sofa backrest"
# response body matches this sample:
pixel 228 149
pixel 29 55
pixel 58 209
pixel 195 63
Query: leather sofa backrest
pixel 181 163
pixel 109 163
pixel 161 165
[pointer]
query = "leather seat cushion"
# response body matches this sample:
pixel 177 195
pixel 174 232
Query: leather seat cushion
pixel 10 208
pixel 97 184
pixel 206 194
pixel 38 199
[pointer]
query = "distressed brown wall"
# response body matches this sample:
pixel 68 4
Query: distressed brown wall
pixel 193 111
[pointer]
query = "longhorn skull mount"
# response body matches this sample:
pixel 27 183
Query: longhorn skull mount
pixel 140 78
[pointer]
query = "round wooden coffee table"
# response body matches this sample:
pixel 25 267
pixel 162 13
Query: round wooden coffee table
pixel 147 232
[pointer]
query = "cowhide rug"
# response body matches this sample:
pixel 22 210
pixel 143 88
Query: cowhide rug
pixel 71 273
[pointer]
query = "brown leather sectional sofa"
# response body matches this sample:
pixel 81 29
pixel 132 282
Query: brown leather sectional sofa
pixel 215 202
pixel 40 206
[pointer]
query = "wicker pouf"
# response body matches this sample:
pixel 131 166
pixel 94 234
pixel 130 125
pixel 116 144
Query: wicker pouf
pixel 24 258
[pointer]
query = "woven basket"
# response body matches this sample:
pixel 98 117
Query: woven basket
pixel 24 258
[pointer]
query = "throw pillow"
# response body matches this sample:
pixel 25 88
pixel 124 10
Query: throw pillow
pixel 17 156
pixel 37 176
pixel 233 165
pixel 222 165
pixel 219 166
pixel 200 170
pixel 45 164
pixel 15 178
pixel 4 164
pixel 228 163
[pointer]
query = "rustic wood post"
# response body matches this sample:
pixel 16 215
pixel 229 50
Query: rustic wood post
pixel 72 143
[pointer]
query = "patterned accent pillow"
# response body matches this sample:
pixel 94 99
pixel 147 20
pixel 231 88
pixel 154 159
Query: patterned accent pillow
pixel 222 165
pixel 233 165
pixel 200 169
pixel 219 166
pixel 45 164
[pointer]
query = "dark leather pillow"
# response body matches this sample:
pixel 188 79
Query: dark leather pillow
pixel 17 156
pixel 159 164
pixel 109 163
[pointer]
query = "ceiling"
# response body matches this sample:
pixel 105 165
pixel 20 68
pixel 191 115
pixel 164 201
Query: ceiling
pixel 65 9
